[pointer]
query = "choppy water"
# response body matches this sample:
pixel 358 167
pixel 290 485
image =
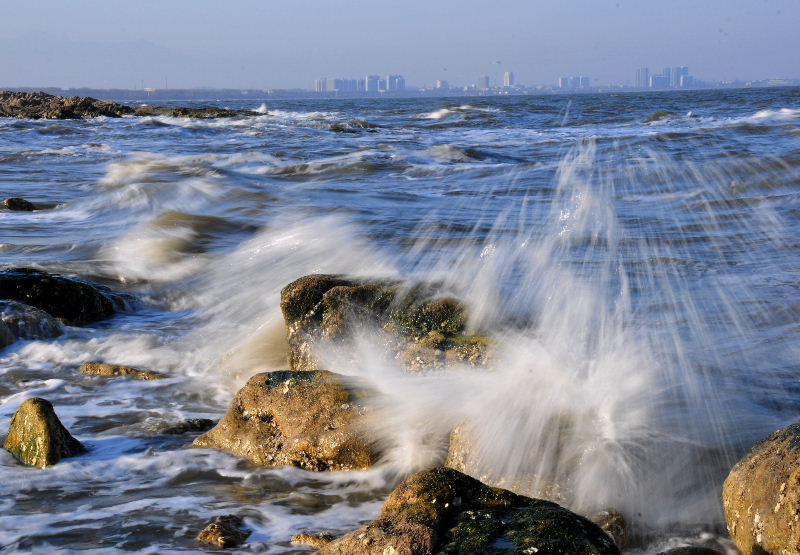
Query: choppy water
pixel 634 257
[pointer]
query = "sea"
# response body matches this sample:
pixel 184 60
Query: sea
pixel 633 258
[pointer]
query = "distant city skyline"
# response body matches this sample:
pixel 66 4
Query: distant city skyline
pixel 288 44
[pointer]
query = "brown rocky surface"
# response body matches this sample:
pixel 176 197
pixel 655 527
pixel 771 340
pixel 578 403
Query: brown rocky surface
pixel 761 496
pixel 313 540
pixel 28 322
pixel 442 511
pixel 312 420
pixel 37 437
pixel 421 328
pixel 224 531
pixel 115 370
pixel 40 105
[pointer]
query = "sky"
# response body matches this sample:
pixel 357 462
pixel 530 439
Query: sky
pixel 288 43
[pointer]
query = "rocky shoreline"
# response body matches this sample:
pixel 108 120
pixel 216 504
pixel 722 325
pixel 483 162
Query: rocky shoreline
pixel 316 420
pixel 40 105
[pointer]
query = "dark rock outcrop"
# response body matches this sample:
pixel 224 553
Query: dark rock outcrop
pixel 225 531
pixel 187 426
pixel 761 496
pixel 442 511
pixel 37 437
pixel 28 322
pixel 17 204
pixel 422 329
pixel 312 420
pixel 691 550
pixel 115 370
pixel 40 105
pixel 73 301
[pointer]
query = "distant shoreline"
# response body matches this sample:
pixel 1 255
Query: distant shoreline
pixel 129 95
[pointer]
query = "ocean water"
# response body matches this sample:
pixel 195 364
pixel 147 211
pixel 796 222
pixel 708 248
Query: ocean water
pixel 635 258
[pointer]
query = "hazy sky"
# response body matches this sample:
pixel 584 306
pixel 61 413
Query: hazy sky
pixel 288 43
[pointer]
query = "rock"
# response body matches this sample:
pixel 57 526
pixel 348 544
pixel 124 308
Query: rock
pixel 225 531
pixel 74 301
pixel 312 420
pixel 40 105
pixel 419 327
pixel 17 204
pixel 691 550
pixel 114 370
pixel 614 524
pixel 37 437
pixel 28 322
pixel 443 511
pixel 313 540
pixel 761 496
pixel 6 336
pixel 187 426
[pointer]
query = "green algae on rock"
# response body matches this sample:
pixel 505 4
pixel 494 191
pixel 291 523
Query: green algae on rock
pixel 115 370
pixel 421 328
pixel 310 419
pixel 74 301
pixel 442 511
pixel 37 437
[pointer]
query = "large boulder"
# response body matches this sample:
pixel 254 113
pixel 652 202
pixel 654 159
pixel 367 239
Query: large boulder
pixel 116 370
pixel 442 511
pixel 313 420
pixel 419 326
pixel 74 301
pixel 16 204
pixel 761 496
pixel 28 322
pixel 37 437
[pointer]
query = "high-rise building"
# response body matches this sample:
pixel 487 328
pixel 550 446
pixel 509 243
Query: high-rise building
pixel 642 78
pixel 574 82
pixel 321 84
pixel 659 82
pixel 563 82
pixel 395 83
pixel 372 83
pixel 442 84
pixel 668 76
pixel 678 74
pixel 508 79
pixel 483 82
pixel 585 82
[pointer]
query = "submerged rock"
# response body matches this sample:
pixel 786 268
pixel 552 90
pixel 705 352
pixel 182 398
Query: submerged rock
pixel 28 322
pixel 421 328
pixel 186 426
pixel 75 302
pixel 40 105
pixel 442 511
pixel 114 370
pixel 225 531
pixel 17 204
pixel 37 437
pixel 312 420
pixel 761 496
pixel 6 336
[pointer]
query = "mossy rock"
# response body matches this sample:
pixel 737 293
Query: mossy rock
pixel 37 437
pixel 419 326
pixel 311 419
pixel 442 511
pixel 73 301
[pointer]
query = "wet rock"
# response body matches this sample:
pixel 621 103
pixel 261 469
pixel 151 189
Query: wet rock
pixel 114 370
pixel 225 531
pixel 353 126
pixel 37 437
pixel 313 540
pixel 443 511
pixel 761 496
pixel 614 524
pixel 691 550
pixel 312 420
pixel 40 105
pixel 187 426
pixel 6 336
pixel 17 204
pixel 74 301
pixel 28 322
pixel 420 328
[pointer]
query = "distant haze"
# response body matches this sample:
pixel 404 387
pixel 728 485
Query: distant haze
pixel 287 44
